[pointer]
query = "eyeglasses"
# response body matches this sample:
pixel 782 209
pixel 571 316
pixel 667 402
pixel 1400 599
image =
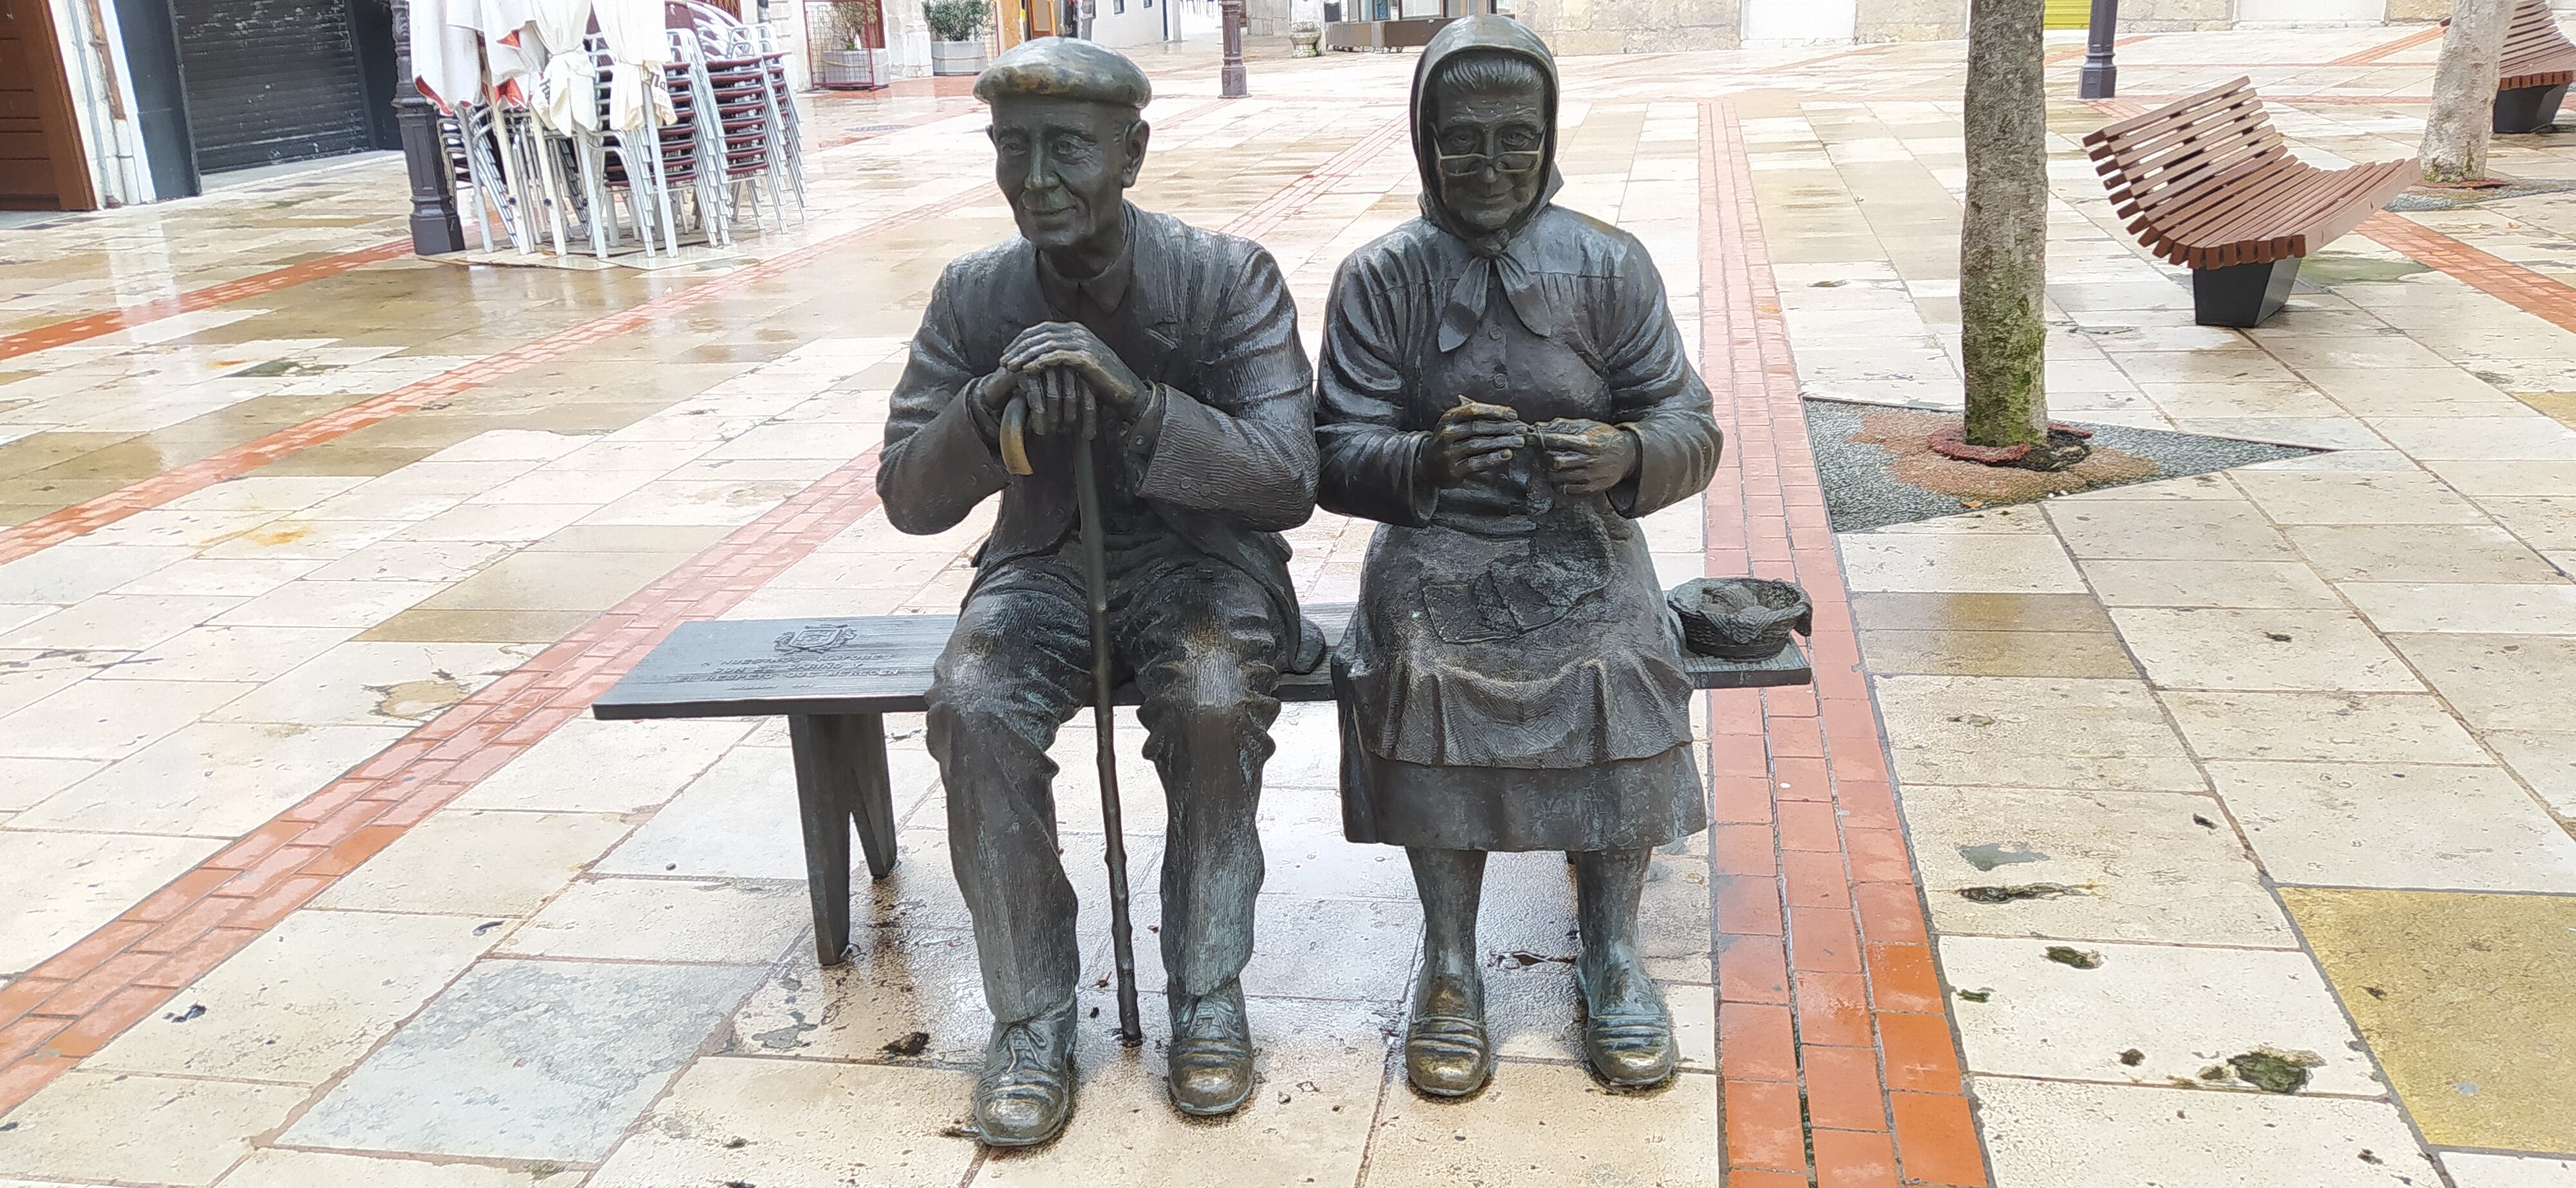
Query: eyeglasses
pixel 1471 164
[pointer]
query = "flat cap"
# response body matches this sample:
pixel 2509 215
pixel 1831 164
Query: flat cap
pixel 1065 68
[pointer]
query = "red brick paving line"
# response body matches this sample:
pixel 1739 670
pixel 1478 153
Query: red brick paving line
pixel 2422 36
pixel 1834 1031
pixel 51 529
pixel 82 329
pixel 1277 208
pixel 105 322
pixel 915 120
pixel 936 114
pixel 74 1003
pixel 2532 292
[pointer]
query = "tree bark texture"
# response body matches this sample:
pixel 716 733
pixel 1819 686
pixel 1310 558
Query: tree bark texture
pixel 2464 91
pixel 2003 234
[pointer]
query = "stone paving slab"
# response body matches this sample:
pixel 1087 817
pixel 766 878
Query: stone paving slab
pixel 531 1060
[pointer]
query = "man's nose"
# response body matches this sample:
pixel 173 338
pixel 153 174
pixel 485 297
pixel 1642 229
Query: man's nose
pixel 1042 169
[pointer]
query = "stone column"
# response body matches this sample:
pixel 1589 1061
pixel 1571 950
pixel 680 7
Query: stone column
pixel 434 225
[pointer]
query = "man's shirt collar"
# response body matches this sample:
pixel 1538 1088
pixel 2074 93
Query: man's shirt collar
pixel 1105 292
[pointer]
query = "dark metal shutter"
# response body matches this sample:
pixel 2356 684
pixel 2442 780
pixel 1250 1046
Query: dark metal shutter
pixel 270 81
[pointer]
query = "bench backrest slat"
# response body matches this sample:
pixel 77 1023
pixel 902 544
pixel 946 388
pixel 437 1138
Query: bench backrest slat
pixel 2207 181
pixel 2536 53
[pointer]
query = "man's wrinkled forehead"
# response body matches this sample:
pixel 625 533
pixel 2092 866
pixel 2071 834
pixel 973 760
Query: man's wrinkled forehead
pixel 1042 115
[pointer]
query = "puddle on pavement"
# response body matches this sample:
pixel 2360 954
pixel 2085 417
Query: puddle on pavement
pixel 419 699
pixel 2327 269
pixel 1989 855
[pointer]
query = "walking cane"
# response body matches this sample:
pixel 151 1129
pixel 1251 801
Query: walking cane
pixel 1095 580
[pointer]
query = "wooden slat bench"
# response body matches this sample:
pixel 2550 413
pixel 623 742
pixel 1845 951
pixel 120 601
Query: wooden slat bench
pixel 2533 74
pixel 2208 183
pixel 835 680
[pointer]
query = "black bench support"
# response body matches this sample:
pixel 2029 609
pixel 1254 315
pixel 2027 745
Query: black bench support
pixel 2528 109
pixel 2241 295
pixel 841 781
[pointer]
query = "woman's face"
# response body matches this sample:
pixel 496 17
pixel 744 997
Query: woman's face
pixel 1489 146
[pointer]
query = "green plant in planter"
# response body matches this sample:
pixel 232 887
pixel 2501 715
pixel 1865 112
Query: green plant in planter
pixel 956 20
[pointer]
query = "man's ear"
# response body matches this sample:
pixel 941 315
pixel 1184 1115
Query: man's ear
pixel 1138 134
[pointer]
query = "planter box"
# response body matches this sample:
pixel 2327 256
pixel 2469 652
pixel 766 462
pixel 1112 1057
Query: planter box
pixel 855 69
pixel 957 57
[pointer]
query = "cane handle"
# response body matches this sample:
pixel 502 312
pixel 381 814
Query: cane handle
pixel 1015 430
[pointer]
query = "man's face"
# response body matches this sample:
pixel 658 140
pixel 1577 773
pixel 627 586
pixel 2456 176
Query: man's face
pixel 1064 164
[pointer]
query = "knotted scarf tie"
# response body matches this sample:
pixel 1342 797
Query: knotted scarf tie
pixel 1466 308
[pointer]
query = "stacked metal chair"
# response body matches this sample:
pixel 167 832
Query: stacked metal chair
pixel 733 141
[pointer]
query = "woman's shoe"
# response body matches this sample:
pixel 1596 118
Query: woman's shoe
pixel 1446 1053
pixel 1629 1044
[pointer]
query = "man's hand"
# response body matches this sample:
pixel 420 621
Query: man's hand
pixel 1472 439
pixel 1588 457
pixel 1077 375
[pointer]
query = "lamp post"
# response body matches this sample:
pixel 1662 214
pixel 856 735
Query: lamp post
pixel 1230 82
pixel 2099 79
pixel 434 226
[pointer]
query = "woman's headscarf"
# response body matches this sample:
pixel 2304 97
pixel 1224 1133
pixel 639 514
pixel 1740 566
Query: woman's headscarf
pixel 1492 251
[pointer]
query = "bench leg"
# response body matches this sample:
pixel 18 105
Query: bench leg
pixel 2241 295
pixel 2528 109
pixel 841 780
pixel 872 800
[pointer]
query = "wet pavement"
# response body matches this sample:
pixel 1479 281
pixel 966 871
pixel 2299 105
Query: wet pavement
pixel 2204 831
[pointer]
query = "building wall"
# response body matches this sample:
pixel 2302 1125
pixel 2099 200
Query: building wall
pixel 1635 26
pixel 1643 26
pixel 90 49
pixel 1909 20
pixel 1271 18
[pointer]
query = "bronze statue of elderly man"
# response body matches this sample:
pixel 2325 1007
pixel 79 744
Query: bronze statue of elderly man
pixel 1171 353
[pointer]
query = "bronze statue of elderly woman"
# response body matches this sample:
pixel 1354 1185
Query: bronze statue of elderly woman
pixel 1503 388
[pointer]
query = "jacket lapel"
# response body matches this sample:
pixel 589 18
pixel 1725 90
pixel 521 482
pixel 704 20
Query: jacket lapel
pixel 1156 297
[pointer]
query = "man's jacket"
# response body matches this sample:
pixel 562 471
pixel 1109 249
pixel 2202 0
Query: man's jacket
pixel 1231 458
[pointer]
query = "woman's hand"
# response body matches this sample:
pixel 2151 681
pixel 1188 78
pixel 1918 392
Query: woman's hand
pixel 1472 439
pixel 1588 457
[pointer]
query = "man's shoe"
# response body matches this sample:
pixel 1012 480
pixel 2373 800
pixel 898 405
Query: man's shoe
pixel 1629 1043
pixel 1446 1052
pixel 1211 1064
pixel 1026 1091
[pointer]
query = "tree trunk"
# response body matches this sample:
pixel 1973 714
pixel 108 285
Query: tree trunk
pixel 2003 235
pixel 2464 91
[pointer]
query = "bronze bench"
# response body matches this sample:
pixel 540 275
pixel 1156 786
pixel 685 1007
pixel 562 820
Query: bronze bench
pixel 835 680
pixel 2533 73
pixel 2208 183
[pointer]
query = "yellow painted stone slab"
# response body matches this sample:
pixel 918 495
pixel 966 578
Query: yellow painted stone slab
pixel 2561 405
pixel 2469 1001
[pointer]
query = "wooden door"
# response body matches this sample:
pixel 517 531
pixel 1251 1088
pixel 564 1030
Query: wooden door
pixel 41 167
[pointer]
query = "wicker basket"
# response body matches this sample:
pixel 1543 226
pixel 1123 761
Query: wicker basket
pixel 1740 618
